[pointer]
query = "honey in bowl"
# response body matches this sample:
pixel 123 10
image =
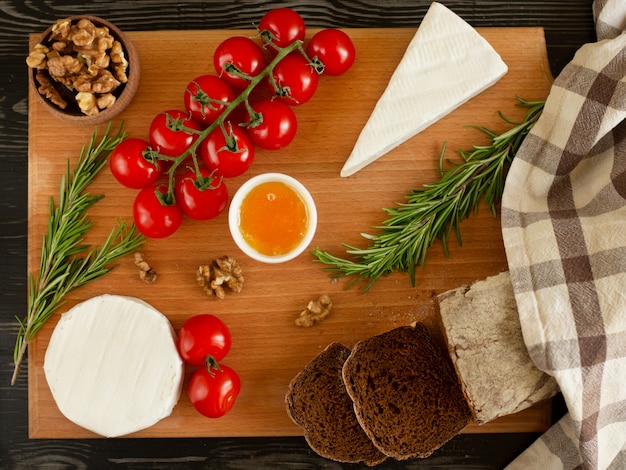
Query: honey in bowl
pixel 272 218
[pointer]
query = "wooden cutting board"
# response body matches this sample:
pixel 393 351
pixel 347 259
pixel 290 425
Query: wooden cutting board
pixel 268 348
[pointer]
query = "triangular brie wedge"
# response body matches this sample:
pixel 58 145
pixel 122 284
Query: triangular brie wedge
pixel 446 63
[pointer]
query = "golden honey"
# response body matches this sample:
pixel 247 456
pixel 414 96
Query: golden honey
pixel 273 218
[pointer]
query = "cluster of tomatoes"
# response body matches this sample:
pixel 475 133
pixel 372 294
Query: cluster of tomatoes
pixel 247 103
pixel 203 341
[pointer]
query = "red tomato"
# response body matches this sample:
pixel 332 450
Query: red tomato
pixel 206 97
pixel 242 53
pixel 201 201
pixel 168 133
pixel 130 164
pixel 201 336
pixel 154 218
pixel 296 79
pixel 228 155
pixel 284 25
pixel 277 127
pixel 213 393
pixel 334 49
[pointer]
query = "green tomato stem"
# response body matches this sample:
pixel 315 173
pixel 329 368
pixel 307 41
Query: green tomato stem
pixel 243 97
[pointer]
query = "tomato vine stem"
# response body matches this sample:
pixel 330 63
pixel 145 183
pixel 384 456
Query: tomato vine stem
pixel 243 97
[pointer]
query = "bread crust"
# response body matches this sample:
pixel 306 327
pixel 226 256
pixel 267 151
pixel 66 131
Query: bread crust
pixel 406 395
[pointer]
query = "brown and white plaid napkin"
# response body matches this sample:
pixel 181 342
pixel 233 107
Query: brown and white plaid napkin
pixel 564 229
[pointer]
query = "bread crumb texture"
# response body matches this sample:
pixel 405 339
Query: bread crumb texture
pixel 485 341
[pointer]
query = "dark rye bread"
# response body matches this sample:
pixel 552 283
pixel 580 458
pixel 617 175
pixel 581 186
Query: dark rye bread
pixel 406 395
pixel 317 401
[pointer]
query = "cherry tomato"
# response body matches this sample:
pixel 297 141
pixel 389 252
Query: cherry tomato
pixel 296 79
pixel 228 155
pixel 153 218
pixel 167 141
pixel 206 97
pixel 284 25
pixel 277 127
pixel 130 165
pixel 242 53
pixel 201 336
pixel 334 49
pixel 202 201
pixel 213 392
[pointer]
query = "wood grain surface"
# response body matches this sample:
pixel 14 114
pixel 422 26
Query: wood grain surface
pixel 268 348
pixel 567 23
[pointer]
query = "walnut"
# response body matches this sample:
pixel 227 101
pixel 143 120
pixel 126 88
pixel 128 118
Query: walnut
pixel 220 272
pixel 102 82
pixel 63 65
pixel 37 59
pixel 61 29
pixel 315 311
pixel 95 57
pixel 106 101
pixel 47 89
pixel 87 103
pixel 120 64
pixel 63 46
pixel 86 34
pixel 146 273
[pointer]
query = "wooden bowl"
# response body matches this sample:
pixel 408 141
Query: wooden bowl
pixel 124 93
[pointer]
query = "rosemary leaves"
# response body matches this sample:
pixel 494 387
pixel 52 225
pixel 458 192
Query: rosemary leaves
pixel 434 212
pixel 66 263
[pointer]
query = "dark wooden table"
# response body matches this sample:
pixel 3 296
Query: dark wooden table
pixel 568 24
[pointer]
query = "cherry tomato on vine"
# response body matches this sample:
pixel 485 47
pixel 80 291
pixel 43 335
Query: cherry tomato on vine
pixel 153 218
pixel 278 124
pixel 334 49
pixel 130 164
pixel 206 97
pixel 296 79
pixel 169 135
pixel 285 26
pixel 201 336
pixel 202 201
pixel 242 53
pixel 213 393
pixel 228 155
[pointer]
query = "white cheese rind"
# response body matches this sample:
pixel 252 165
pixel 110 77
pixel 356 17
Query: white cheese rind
pixel 112 365
pixel 446 63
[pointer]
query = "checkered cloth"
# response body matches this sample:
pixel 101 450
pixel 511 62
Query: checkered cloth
pixel 564 229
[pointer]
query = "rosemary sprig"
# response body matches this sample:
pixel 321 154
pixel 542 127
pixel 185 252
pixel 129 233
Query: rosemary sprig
pixel 62 269
pixel 435 211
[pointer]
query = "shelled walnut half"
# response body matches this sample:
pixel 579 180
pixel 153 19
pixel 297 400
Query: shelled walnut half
pixel 218 274
pixel 315 311
pixel 79 62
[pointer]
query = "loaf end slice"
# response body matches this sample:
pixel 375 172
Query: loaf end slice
pixel 317 401
pixel 484 335
pixel 406 394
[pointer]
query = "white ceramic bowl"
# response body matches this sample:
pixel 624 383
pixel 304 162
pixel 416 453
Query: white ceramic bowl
pixel 234 216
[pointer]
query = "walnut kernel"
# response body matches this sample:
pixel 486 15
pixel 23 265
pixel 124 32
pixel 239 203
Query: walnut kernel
pixel 146 273
pixel 315 311
pixel 217 274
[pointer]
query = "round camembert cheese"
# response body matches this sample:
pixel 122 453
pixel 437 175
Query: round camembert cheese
pixel 112 365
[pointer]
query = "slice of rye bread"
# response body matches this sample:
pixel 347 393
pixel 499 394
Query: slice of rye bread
pixel 406 394
pixel 317 401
